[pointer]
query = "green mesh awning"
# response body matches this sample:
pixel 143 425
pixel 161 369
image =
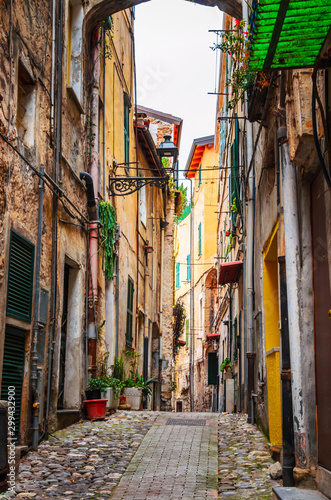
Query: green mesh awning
pixel 288 33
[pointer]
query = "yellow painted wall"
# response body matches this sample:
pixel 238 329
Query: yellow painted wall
pixel 272 338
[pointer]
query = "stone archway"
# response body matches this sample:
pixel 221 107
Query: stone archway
pixel 96 10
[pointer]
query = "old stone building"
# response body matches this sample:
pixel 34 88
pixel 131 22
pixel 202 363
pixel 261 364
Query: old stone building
pixel 274 293
pixel 195 282
pixel 81 266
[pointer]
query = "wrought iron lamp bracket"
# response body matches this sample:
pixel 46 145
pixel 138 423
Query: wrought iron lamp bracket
pixel 123 186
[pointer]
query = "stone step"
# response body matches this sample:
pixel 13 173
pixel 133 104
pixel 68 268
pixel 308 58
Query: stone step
pixel 281 493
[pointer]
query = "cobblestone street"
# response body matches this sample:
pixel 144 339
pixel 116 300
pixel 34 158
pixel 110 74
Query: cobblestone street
pixel 139 456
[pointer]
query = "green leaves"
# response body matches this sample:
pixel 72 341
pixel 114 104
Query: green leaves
pixel 107 216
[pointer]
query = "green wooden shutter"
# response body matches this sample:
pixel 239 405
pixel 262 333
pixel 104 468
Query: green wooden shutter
pixel 177 275
pixel 199 240
pixel 13 371
pixel 188 268
pixel 187 331
pixel 235 333
pixel 126 133
pixel 129 316
pixel 199 184
pixel 212 368
pixel 20 277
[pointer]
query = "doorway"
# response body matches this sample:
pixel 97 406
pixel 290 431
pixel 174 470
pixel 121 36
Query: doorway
pixel 272 337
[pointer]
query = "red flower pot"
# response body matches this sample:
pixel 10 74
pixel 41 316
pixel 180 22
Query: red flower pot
pixel 96 408
pixel 228 368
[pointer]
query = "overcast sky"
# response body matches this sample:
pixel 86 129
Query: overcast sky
pixel 175 65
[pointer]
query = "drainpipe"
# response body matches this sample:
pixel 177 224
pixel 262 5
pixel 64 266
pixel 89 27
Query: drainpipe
pixel 192 303
pixel 53 71
pixel 93 227
pixel 293 276
pixel 93 241
pixel 58 154
pixel 287 411
pixel 34 356
pixel 117 305
pixel 250 354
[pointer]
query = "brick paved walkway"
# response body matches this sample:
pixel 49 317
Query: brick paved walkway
pixel 174 462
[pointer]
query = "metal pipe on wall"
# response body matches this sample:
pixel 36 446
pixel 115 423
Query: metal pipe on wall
pixel 287 410
pixel 58 154
pixel 192 302
pixel 34 355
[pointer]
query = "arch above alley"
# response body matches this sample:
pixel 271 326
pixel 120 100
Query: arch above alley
pixel 96 10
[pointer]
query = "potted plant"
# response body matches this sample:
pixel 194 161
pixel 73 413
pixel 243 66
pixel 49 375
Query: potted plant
pixel 93 389
pixel 111 390
pixel 226 365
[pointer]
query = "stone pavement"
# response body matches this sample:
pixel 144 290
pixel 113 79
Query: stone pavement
pixel 244 460
pixel 174 462
pixel 137 456
pixel 83 461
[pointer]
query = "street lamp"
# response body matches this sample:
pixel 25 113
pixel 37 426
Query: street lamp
pixel 167 149
pixel 122 186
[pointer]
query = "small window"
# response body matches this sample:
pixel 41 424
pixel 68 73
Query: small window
pixel 129 316
pixel 26 103
pixel 177 275
pixel 20 277
pixel 199 240
pixel 74 48
pixel 188 268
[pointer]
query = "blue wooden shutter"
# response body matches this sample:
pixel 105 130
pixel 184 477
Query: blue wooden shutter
pixel 177 275
pixel 20 277
pixel 199 239
pixel 188 269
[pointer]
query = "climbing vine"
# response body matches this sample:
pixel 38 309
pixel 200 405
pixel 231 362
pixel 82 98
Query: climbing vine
pixel 107 215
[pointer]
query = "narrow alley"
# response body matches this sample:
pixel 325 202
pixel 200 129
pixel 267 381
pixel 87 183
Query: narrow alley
pixel 150 455
pixel 165 249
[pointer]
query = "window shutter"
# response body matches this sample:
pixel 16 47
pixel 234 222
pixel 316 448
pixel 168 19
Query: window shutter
pixel 199 242
pixel 199 184
pixel 187 332
pixel 212 368
pixel 177 275
pixel 129 315
pixel 20 277
pixel 126 133
pixel 188 270
pixel 13 370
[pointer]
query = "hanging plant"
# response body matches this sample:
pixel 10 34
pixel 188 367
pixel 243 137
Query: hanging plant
pixel 107 215
pixel 237 44
pixel 179 314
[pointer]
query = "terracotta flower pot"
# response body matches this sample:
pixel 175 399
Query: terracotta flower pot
pixel 96 408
